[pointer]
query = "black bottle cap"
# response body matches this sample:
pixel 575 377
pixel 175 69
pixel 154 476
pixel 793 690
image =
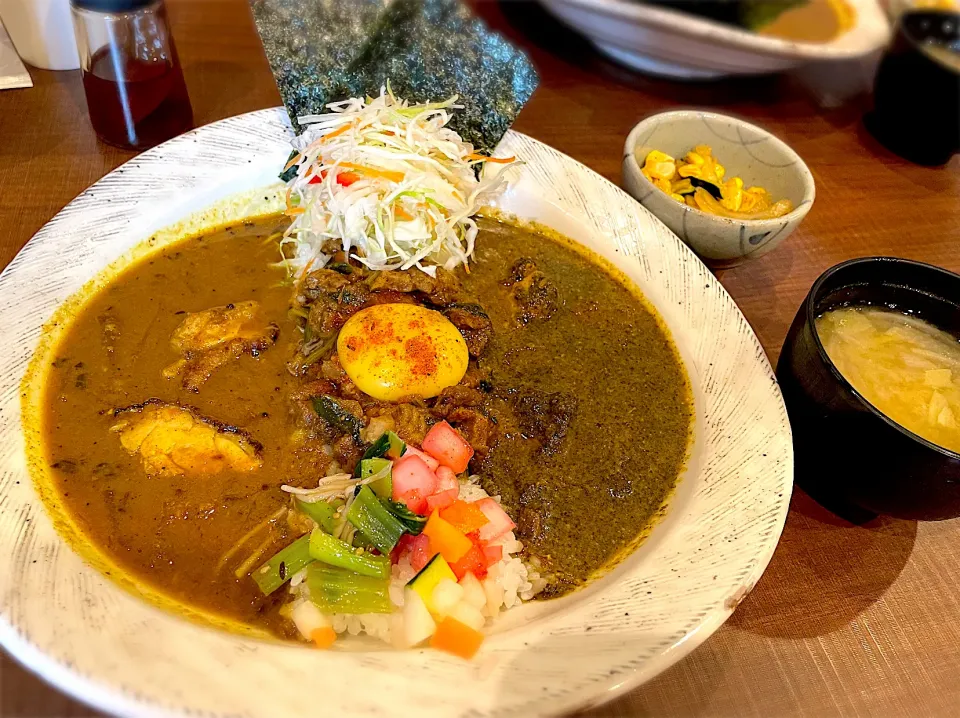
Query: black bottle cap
pixel 111 5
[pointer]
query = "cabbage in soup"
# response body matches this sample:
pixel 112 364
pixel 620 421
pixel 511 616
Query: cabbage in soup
pixel 906 367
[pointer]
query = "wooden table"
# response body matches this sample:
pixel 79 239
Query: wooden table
pixel 848 620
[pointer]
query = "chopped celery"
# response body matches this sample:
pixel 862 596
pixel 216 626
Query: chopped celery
pixel 397 446
pixel 381 487
pixel 412 522
pixel 334 590
pixel 322 512
pixel 369 467
pixel 374 521
pixel 389 444
pixel 333 551
pixel 279 569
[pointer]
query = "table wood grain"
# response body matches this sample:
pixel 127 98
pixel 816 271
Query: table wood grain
pixel 849 620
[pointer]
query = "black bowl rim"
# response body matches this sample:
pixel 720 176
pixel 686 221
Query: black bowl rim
pixel 810 311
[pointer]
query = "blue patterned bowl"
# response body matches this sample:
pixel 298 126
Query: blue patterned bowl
pixel 745 151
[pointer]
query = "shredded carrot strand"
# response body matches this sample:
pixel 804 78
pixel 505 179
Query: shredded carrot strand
pixel 330 135
pixel 293 161
pixel 370 171
pixel 293 211
pixel 498 160
pixel 400 213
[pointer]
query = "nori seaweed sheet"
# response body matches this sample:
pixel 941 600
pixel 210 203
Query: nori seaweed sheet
pixel 322 51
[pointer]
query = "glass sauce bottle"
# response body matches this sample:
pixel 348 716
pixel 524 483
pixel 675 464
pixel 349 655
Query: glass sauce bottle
pixel 131 75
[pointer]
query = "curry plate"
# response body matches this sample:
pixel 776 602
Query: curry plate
pixel 104 639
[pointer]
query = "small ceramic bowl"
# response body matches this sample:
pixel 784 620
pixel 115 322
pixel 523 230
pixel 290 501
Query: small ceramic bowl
pixel 848 453
pixel 745 151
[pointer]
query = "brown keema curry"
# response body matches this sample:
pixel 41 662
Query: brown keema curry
pixel 201 379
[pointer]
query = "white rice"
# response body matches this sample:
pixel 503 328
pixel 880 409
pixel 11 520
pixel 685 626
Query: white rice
pixel 517 580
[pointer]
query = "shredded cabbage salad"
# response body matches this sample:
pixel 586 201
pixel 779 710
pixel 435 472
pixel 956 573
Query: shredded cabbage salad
pixel 390 182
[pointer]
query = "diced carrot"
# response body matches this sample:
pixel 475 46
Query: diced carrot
pixel 324 637
pixel 445 539
pixel 464 516
pixel 441 500
pixel 454 637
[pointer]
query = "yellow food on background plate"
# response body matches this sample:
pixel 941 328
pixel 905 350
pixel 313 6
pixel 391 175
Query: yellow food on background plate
pixel 391 351
pixel 698 181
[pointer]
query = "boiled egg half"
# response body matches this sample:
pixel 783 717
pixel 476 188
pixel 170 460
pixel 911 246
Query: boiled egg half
pixel 391 351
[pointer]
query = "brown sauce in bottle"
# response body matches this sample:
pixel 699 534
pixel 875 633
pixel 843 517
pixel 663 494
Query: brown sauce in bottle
pixel 135 103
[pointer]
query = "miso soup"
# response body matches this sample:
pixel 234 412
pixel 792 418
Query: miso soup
pixel 904 366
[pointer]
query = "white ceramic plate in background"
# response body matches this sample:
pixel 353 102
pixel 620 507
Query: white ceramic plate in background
pixel 81 631
pixel 675 44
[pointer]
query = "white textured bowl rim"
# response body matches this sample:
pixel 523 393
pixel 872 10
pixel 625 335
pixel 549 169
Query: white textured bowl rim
pixel 668 19
pixel 798 165
pixel 80 631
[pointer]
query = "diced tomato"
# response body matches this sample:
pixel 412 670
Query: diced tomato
pixel 427 459
pixel 415 501
pixel 473 561
pixel 404 545
pixel 410 473
pixel 420 552
pixel 499 521
pixel 493 554
pixel 448 447
pixel 465 516
pixel 345 179
pixel 446 479
pixel 441 499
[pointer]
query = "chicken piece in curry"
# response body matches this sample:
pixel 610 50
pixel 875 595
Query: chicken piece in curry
pixel 200 380
pixel 208 339
pixel 177 441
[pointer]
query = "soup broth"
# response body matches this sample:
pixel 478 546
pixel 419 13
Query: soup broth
pixel 904 366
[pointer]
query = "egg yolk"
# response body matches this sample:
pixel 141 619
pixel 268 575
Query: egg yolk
pixel 391 351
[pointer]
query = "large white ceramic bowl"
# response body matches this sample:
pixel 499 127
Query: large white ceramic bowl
pixel 107 645
pixel 674 44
